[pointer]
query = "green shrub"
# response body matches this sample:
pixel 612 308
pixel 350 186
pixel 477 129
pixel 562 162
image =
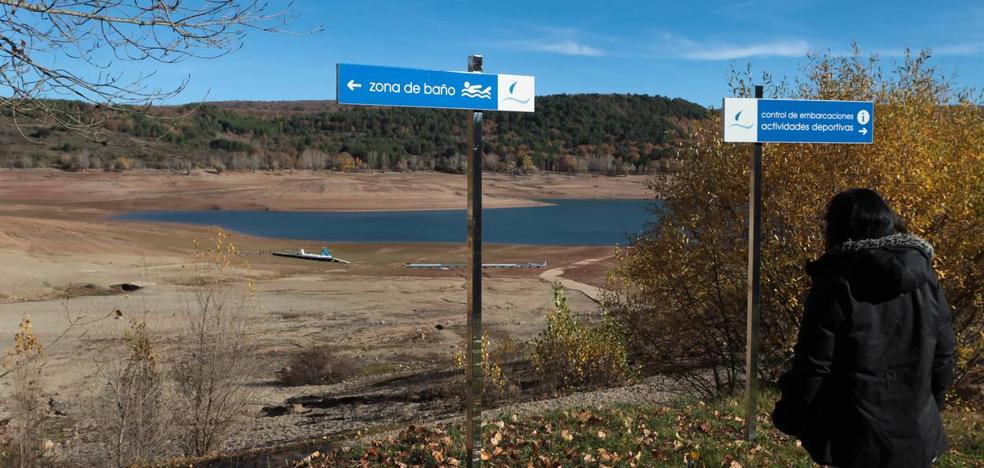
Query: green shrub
pixel 230 145
pixel 570 353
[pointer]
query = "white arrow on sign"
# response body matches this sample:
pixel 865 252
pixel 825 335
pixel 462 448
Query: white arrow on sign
pixel 863 131
pixel 352 85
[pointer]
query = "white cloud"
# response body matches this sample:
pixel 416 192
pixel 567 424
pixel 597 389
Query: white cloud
pixel 567 47
pixel 969 48
pixel 669 45
pixel 793 48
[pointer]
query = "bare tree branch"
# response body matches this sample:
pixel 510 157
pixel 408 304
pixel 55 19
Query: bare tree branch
pixel 88 37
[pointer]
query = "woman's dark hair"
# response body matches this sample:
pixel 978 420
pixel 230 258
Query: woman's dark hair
pixel 858 214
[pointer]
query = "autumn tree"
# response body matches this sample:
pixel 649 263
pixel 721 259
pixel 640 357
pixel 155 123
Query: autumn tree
pixel 680 290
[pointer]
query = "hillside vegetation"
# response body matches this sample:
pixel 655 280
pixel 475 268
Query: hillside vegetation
pixel 613 134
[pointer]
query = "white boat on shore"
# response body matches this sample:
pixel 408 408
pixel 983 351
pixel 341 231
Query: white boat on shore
pixel 324 256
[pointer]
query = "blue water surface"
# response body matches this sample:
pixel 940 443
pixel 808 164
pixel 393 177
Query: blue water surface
pixel 564 222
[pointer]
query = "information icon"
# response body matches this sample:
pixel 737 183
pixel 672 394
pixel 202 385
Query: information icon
pixel 863 117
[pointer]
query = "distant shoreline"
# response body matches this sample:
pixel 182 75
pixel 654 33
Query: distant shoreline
pixel 96 194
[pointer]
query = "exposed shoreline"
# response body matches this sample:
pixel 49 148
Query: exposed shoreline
pixel 27 190
pixel 59 252
pixel 57 226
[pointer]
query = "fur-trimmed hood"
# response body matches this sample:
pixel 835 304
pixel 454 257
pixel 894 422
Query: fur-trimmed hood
pixel 896 241
pixel 878 269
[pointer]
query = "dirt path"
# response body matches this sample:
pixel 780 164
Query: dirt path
pixel 555 275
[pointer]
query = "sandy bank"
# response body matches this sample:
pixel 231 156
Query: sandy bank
pixel 107 192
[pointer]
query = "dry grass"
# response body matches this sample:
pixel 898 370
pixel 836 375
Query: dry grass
pixel 318 365
pixel 210 371
pixel 130 410
pixel 28 408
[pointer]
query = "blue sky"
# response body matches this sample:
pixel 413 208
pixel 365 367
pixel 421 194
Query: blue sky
pixel 671 48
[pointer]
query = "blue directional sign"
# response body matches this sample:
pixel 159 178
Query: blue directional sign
pixel 798 121
pixel 408 87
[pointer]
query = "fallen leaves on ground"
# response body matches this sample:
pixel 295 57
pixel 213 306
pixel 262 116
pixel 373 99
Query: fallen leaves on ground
pixel 692 435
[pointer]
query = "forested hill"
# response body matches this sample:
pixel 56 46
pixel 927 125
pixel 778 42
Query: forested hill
pixel 583 132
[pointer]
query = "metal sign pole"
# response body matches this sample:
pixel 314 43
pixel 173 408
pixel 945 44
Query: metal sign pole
pixel 473 359
pixel 756 120
pixel 754 284
pixel 369 85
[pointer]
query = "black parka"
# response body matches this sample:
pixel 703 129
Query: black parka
pixel 874 357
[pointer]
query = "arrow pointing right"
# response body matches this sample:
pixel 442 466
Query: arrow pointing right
pixel 863 131
pixel 352 85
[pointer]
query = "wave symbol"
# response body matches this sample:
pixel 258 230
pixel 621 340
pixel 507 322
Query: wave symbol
pixel 475 91
pixel 521 101
pixel 476 95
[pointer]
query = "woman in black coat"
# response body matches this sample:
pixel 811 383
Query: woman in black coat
pixel 874 357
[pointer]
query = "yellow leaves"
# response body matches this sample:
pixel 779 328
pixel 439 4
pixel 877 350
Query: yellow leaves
pixel 570 353
pixel 566 435
pixel 221 251
pixel 495 380
pixel 26 343
pixel 928 160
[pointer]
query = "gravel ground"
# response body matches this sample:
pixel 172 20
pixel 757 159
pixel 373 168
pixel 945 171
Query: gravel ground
pixel 373 410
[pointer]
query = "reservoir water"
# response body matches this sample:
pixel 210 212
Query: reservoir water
pixel 564 222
